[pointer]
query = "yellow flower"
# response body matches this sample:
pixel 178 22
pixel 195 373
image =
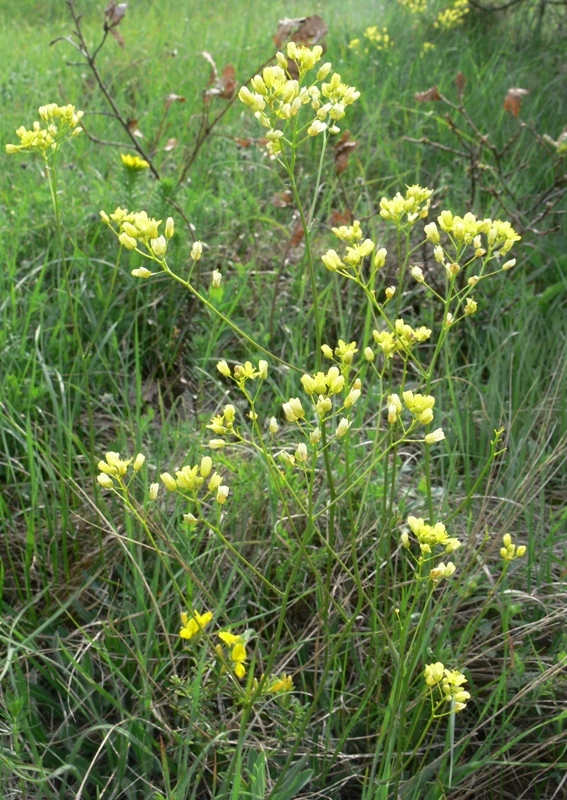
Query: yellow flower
pixel 62 123
pixel 282 684
pixel 194 624
pixel 237 647
pixel 133 163
pixel 114 465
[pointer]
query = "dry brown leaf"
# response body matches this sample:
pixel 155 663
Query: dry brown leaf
pixel 223 86
pixel 460 82
pixel 302 30
pixel 428 96
pixel 227 83
pixel 297 235
pixel 311 31
pixel 282 199
pixel 285 29
pixel 343 149
pixel 513 100
pixel 117 35
pixel 173 98
pixel 170 145
pixel 114 13
pixel 339 218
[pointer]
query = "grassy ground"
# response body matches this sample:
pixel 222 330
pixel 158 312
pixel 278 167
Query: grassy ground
pixel 99 697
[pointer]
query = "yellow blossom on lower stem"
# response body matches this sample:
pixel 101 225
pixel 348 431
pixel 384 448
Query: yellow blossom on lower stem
pixel 192 625
pixel 237 651
pixel 282 684
pixel 133 163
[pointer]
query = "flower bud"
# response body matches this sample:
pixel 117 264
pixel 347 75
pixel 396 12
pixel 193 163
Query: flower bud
pixel 222 494
pixel 105 481
pixel 434 437
pixel 190 519
pixel 315 436
pixel 369 354
pixel 262 370
pixel 197 251
pixel 352 397
pixel 154 489
pixel 215 482
pixel 127 241
pixel 217 444
pixel 301 452
pixel 327 351
pixel 332 260
pixel 273 426
pixel 343 427
pixel 169 482
pixel 380 258
pixel 390 292
pixel 509 264
pixel 223 368
pixel 138 462
pixel 473 280
pixel 417 274
pixel 141 272
pixel 159 246
pixel 169 228
pixel 324 71
pixel 206 466
pixel 216 279
pixel 258 84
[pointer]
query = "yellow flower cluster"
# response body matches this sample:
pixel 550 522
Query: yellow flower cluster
pixel 468 230
pixel 237 651
pixel 322 386
pixel 415 6
pixel 244 372
pixel 278 97
pixel 114 468
pixel 401 339
pixel 276 685
pixel 379 38
pixel 191 479
pixel 510 552
pixel 449 683
pixel 133 163
pixel 223 423
pixel 407 210
pixel 451 17
pixel 62 123
pixel 135 228
pixel 356 250
pixel 429 536
pixel 421 407
pixel 194 624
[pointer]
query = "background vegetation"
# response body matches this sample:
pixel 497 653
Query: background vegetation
pixel 98 697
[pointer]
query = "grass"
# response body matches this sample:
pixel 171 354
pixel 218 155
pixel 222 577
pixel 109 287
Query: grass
pixel 99 699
